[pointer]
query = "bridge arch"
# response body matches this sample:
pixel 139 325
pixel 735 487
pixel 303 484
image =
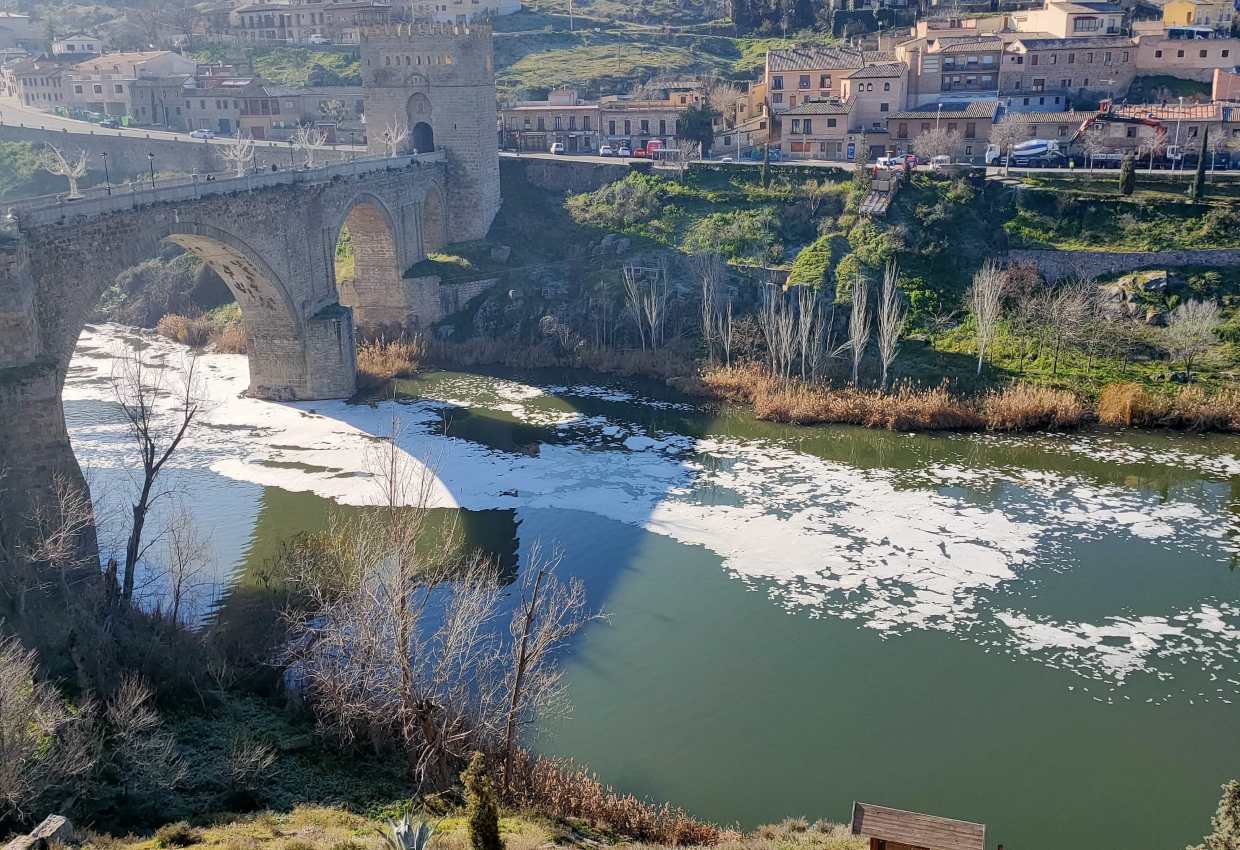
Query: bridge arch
pixel 374 291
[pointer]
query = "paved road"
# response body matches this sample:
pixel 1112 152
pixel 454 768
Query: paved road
pixel 14 113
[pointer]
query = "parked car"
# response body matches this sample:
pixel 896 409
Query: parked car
pixel 606 150
pixel 726 159
pixel 940 161
pixel 202 134
pixel 624 151
pixel 318 39
pixel 557 147
pixel 891 162
pixel 110 124
pixel 911 160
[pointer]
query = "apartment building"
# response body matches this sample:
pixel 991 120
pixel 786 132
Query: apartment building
pixel 535 125
pixel 1049 72
pixel 40 83
pixel 803 73
pixel 817 129
pixel 462 11
pixel 874 93
pixel 302 20
pixel 1059 126
pixel 1190 54
pixel 635 122
pixel 105 83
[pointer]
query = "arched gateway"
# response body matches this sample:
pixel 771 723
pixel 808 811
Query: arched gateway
pixel 272 240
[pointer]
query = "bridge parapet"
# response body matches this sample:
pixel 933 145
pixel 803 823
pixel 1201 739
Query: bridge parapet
pixel 48 209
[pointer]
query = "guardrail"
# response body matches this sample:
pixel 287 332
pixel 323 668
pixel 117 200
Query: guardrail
pixel 49 209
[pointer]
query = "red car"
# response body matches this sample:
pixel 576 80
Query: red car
pixel 911 160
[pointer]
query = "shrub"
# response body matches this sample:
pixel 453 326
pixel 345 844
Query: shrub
pixel 380 361
pixel 483 806
pixel 192 332
pixel 1122 405
pixel 179 834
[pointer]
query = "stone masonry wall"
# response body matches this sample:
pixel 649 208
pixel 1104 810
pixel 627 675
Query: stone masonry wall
pixel 1055 265
pixel 571 175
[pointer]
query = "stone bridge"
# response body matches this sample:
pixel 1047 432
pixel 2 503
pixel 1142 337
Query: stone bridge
pixel 270 236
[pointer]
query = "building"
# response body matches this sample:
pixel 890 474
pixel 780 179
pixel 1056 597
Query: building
pixel 462 11
pixel 77 43
pixel 40 83
pixel 1225 84
pixel 1191 53
pixel 105 84
pixel 970 120
pixel 535 125
pixel 1218 14
pixel 1042 73
pixel 805 73
pixel 874 93
pixel 633 123
pixel 817 129
pixel 1132 128
pixel 1059 126
pixel 336 21
pixel 1071 19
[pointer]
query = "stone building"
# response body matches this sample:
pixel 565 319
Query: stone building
pixel 435 84
pixel 39 83
pixel 564 118
pixel 462 11
pixel 77 44
pixel 303 20
pixel 633 122
pixel 105 83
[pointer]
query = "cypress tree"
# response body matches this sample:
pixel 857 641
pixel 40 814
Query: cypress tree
pixel 483 808
pixel 1199 176
pixel 1127 176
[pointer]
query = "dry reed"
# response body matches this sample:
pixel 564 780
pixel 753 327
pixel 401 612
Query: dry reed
pixel 201 332
pixel 563 789
pixel 381 361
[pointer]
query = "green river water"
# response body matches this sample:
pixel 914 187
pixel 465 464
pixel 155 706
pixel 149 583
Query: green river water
pixel 1036 632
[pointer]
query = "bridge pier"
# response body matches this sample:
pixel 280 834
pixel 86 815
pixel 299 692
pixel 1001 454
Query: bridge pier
pixel 321 362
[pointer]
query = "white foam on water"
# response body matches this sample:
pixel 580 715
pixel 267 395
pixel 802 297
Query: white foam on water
pixel 893 550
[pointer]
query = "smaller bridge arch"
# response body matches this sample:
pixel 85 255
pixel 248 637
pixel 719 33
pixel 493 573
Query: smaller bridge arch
pixel 375 292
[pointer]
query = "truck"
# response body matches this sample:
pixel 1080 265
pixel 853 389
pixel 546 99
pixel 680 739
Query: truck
pixel 648 149
pixel 1034 153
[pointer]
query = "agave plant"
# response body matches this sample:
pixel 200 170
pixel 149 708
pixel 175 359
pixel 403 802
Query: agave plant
pixel 403 835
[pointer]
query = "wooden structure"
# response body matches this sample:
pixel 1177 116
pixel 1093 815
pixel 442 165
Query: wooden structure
pixel 883 188
pixel 896 829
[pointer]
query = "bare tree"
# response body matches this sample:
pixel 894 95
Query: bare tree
pixel 395 134
pixel 891 316
pixel 1190 332
pixel 309 140
pixel 55 162
pixel 815 192
pixel 239 153
pixel 548 615
pixel 985 300
pixel 159 413
pixel 1153 146
pixel 249 762
pixel 723 97
pixel 937 142
pixel 1024 311
pixel 807 307
pixel 777 321
pixel 708 268
pixel 859 325
pixel 1092 143
pixel 1064 313
pixel 725 332
pixel 647 292
pixel 1007 134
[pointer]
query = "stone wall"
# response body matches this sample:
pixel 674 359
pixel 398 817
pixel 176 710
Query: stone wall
pixel 1055 265
pixel 127 154
pixel 570 175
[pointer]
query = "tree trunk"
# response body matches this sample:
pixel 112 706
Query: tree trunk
pixel 134 546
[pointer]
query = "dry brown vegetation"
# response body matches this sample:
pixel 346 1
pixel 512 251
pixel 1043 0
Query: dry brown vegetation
pixel 1016 407
pixel 381 360
pixel 201 332
pixel 563 789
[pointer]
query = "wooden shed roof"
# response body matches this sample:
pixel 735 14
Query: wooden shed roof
pixel 916 829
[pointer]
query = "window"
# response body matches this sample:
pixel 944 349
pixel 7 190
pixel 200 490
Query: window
pixel 902 130
pixel 777 83
pixel 1179 54
pixel 77 89
pixel 968 150
pixel 1203 54
pixel 645 126
pixel 1130 132
pixel 662 126
pixel 970 130
pixel 796 125
pixel 1054 58
pixel 527 122
pixel 886 86
pixel 884 107
pixel 808 126
pixel 1106 58
pixel 1192 132
pixel 778 97
pixel 542 123
pixel 831 122
pixel 98 89
pixel 1124 56
pixel 628 126
pixel 824 81
pixel 869 87
pixel 611 128
pixel 1071 58
pixel 1224 53
pixel 572 122
pixel 804 82
pixel 1157 54
pixel 1063 130
pixel 1089 58
pixel 925 126
pixel 1033 60
pixel 585 122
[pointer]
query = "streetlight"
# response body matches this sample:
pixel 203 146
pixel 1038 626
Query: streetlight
pixel 291 165
pixel 352 144
pixel 107 177
pixel 1179 154
pixel 937 115
pixel 150 157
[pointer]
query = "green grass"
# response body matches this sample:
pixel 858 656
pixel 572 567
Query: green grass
pixel 1158 87
pixel 1070 223
pixel 290 66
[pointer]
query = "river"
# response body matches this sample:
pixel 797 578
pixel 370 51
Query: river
pixel 1039 632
